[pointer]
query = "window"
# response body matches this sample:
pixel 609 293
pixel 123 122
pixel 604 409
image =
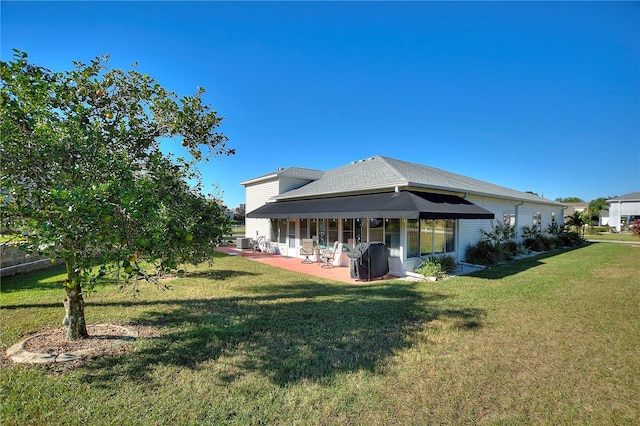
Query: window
pixel 359 223
pixel 413 238
pixel 304 233
pixel 347 232
pixel 392 236
pixel 509 218
pixel 313 229
pixel 333 231
pixel 322 232
pixel 274 230
pixel 426 237
pixel 449 236
pixel 282 230
pixel 292 233
pixel 536 221
pixel 437 236
pixel 376 230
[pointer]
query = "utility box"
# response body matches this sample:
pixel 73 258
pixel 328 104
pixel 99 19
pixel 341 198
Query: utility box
pixel 243 243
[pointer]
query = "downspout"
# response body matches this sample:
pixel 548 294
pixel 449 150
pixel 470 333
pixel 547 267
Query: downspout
pixel 457 230
pixel 517 233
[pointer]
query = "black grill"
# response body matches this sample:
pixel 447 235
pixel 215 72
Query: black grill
pixel 368 261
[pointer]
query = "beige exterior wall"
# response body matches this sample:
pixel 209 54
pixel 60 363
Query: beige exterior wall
pixel 14 261
pixel 257 195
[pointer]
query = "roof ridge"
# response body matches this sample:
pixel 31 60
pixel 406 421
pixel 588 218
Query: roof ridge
pixel 375 173
pixel 626 197
pixel 396 171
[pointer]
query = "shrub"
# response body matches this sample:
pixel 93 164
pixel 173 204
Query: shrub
pixel 447 263
pixel 534 240
pixel 596 229
pixel 510 249
pixel 635 227
pixel 555 229
pixel 500 233
pixel 496 246
pixel 429 268
pixel 436 266
pixel 571 238
pixel 486 253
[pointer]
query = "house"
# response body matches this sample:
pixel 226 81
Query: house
pixel 572 208
pixel 624 210
pixel 414 210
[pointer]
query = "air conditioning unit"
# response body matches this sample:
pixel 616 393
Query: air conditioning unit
pixel 243 243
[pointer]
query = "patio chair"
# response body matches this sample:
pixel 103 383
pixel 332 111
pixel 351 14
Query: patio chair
pixel 328 256
pixel 307 250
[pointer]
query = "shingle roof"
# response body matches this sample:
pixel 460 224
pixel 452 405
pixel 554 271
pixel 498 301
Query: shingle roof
pixel 632 196
pixel 292 172
pixel 381 173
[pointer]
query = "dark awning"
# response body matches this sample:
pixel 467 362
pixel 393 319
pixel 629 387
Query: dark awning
pixel 405 204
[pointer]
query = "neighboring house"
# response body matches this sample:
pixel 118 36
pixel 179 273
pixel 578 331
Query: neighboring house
pixel 624 210
pixel 604 218
pixel 572 208
pixel 414 210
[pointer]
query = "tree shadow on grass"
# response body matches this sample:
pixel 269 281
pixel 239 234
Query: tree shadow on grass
pixel 36 280
pixel 219 275
pixel 302 331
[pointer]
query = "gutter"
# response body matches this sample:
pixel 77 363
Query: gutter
pixel 541 200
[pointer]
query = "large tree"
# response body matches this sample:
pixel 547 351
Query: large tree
pixel 595 207
pixel 84 178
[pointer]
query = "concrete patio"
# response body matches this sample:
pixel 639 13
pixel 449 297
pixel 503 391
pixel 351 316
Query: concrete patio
pixel 337 273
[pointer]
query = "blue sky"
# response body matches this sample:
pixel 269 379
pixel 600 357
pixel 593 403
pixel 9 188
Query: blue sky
pixel 535 96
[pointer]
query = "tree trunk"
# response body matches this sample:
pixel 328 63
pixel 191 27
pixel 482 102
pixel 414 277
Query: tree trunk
pixel 74 305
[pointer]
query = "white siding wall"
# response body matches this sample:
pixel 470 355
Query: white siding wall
pixel 619 209
pixel 258 195
pixel 470 231
pixel 630 208
pixel 614 215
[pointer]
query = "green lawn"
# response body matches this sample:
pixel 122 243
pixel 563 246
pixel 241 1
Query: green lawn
pixel 551 339
pixel 613 237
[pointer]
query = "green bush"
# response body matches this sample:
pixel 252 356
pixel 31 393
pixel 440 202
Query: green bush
pixel 484 252
pixel 510 249
pixel 429 268
pixel 447 263
pixel 436 266
pixel 497 246
pixel 534 240
pixel 571 239
pixel 596 229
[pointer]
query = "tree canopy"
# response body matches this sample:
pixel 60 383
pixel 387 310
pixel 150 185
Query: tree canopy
pixel 84 178
pixel 570 200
